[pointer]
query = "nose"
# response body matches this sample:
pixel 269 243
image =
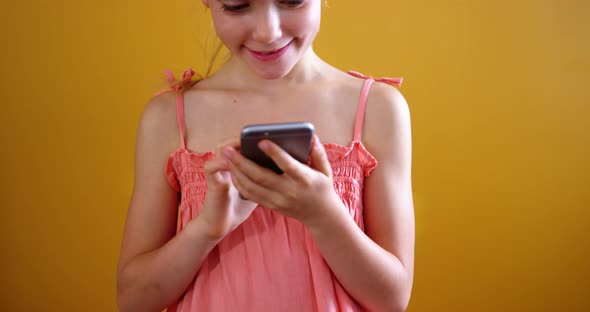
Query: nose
pixel 267 26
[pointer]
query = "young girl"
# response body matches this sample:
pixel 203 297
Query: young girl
pixel 337 235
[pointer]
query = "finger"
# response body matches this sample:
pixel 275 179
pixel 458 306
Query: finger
pixel 288 164
pixel 215 165
pixel 319 157
pixel 248 168
pixel 248 189
pixel 265 197
pixel 219 163
pixel 214 168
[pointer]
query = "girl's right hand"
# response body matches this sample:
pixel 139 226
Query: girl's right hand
pixel 223 209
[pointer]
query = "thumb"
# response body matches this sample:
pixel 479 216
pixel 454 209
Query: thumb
pixel 215 169
pixel 319 157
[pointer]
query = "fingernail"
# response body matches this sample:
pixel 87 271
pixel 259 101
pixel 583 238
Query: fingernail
pixel 227 153
pixel 263 145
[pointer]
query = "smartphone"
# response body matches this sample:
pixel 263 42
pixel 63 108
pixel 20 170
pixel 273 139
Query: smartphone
pixel 293 137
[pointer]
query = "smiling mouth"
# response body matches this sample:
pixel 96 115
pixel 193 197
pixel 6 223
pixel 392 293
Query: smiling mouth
pixel 271 51
pixel 268 52
pixel 264 53
pixel 268 56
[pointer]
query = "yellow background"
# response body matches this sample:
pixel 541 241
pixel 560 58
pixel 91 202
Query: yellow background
pixel 498 92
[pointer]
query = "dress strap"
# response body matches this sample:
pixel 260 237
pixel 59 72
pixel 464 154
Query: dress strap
pixel 360 114
pixel 178 86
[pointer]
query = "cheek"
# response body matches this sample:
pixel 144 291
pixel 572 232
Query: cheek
pixel 315 15
pixel 305 24
pixel 227 30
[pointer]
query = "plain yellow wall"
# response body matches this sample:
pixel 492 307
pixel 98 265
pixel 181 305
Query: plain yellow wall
pixel 499 97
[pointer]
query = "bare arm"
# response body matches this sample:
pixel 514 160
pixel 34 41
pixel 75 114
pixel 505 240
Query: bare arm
pixel 155 266
pixel 376 268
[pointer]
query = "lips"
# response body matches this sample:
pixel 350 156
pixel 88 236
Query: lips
pixel 269 56
pixel 268 52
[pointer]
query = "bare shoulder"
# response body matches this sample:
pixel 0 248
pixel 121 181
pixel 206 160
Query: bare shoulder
pixel 158 110
pixel 158 122
pixel 385 101
pixel 387 116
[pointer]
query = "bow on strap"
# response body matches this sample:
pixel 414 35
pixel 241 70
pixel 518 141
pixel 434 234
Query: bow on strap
pixel 390 81
pixel 177 85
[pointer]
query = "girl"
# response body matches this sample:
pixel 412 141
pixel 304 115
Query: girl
pixel 337 235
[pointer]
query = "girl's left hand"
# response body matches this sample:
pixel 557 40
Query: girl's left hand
pixel 303 192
